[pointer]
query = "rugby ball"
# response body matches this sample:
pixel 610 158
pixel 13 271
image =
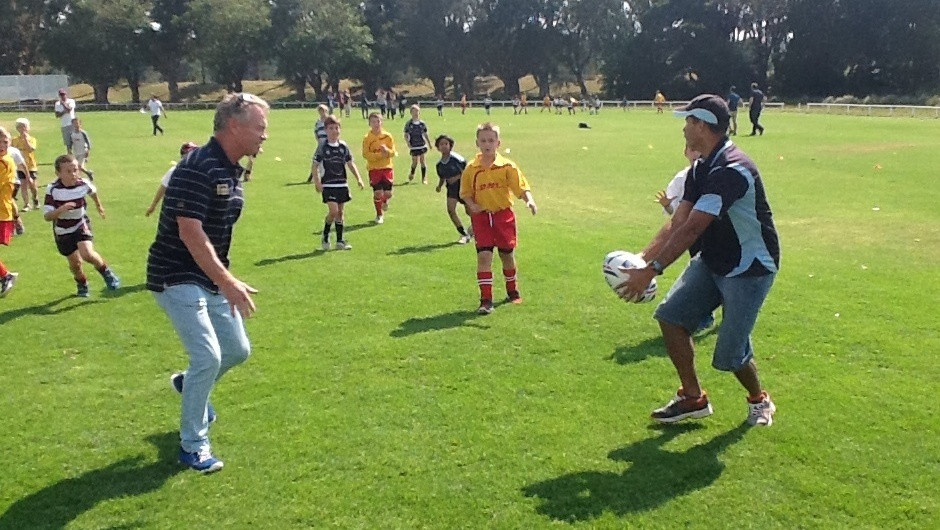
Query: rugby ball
pixel 621 259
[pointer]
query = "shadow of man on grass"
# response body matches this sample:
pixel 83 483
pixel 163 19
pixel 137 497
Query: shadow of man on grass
pixel 652 347
pixel 654 477
pixel 61 503
pixel 450 320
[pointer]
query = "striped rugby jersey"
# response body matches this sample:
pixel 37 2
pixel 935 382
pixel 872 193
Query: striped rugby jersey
pixel 73 220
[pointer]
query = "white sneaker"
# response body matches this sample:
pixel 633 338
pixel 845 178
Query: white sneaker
pixel 342 245
pixel 761 414
pixel 463 240
pixel 379 219
pixel 325 244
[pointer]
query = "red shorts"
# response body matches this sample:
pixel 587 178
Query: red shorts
pixel 495 230
pixel 381 179
pixel 6 232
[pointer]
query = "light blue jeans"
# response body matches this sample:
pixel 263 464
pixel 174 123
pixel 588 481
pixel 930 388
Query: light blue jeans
pixel 215 341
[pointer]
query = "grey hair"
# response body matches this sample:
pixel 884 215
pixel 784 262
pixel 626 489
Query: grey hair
pixel 235 106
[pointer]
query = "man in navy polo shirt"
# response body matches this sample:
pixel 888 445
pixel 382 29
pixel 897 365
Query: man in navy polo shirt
pixel 187 267
pixel 724 212
pixel 756 106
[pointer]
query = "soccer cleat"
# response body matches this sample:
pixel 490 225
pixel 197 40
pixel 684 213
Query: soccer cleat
pixel 325 244
pixel 112 280
pixel 411 177
pixel 176 381
pixel 514 297
pixel 201 461
pixel 761 414
pixel 682 407
pixel 464 240
pixel 486 307
pixel 342 245
pixel 379 219
pixel 7 283
pixel 82 290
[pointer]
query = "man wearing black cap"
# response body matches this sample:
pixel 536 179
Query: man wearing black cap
pixel 725 213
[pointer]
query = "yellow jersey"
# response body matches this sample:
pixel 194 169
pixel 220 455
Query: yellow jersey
pixel 372 150
pixel 494 187
pixel 27 146
pixel 7 181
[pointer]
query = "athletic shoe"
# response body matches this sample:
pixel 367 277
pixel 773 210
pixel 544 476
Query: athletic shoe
pixel 761 414
pixel 18 228
pixel 706 323
pixel 342 245
pixel 379 219
pixel 201 461
pixel 464 240
pixel 112 281
pixel 514 297
pixel 82 290
pixel 7 283
pixel 35 205
pixel 682 407
pixel 176 381
pixel 411 177
pixel 25 207
pixel 486 307
pixel 424 181
pixel 325 244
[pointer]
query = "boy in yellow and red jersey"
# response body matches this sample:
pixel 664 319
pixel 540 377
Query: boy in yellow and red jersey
pixel 8 211
pixel 488 186
pixel 378 148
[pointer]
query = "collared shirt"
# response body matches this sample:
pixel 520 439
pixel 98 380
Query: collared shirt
pixel 66 119
pixel 415 131
pixel 372 150
pixel 334 158
pixel 204 186
pixel 76 219
pixel 7 182
pixel 733 101
pixel 493 187
pixel 742 240
pixel 156 107
pixel 452 167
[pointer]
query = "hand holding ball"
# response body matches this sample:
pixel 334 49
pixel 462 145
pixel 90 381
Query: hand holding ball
pixel 617 265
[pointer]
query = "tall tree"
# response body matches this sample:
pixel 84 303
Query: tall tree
pixel 170 41
pixel 584 28
pixel 20 26
pixel 435 32
pixel 231 36
pixel 97 41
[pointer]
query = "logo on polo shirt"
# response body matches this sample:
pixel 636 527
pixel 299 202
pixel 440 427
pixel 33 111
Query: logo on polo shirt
pixel 222 189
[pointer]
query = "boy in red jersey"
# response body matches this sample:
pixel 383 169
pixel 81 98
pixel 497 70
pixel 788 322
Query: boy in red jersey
pixel 65 207
pixel 488 186
pixel 378 148
pixel 8 211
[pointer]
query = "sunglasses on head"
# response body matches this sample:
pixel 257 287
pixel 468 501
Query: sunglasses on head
pixel 243 98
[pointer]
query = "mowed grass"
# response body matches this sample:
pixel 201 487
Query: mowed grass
pixel 376 398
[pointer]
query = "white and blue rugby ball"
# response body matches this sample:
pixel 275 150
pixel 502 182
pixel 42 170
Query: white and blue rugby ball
pixel 618 259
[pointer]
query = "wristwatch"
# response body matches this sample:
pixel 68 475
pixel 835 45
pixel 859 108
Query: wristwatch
pixel 657 266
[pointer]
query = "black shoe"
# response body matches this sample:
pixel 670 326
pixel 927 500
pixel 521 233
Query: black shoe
pixel 486 307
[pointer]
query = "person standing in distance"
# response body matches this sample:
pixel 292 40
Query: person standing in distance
pixel 755 106
pixel 156 109
pixel 65 110
pixel 724 212
pixel 734 101
pixel 188 266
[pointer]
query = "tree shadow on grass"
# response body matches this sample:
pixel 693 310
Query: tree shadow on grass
pixel 61 503
pixel 47 309
pixel 421 248
pixel 454 319
pixel 634 353
pixel 655 476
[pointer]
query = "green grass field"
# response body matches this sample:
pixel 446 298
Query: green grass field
pixel 376 398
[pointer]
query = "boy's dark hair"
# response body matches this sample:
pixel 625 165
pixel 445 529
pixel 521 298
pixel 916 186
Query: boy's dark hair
pixel 62 160
pixel 331 120
pixel 444 137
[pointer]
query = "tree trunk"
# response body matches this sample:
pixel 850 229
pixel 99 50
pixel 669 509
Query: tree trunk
pixel 316 83
pixel 101 92
pixel 174 89
pixel 579 76
pixel 440 85
pixel 134 85
pixel 510 84
pixel 543 81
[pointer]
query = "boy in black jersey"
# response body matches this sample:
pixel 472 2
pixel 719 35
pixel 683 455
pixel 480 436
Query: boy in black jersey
pixel 449 169
pixel 333 157
pixel 416 136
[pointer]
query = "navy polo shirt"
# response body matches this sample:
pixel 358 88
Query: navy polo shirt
pixel 742 240
pixel 204 186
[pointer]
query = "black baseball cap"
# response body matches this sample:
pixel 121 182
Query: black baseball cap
pixel 708 108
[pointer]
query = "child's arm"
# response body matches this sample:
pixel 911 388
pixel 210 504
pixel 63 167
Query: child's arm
pixel 315 172
pixel 530 201
pixel 52 215
pixel 94 197
pixel 161 191
pixel 355 170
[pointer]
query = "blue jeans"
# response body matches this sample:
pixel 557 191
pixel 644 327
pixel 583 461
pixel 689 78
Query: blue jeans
pixel 215 341
pixel 698 292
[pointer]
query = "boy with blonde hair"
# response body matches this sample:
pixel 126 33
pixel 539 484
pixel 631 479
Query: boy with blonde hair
pixel 378 148
pixel 488 186
pixel 8 212
pixel 27 145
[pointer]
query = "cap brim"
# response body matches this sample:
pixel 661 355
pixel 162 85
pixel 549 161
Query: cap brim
pixel 705 115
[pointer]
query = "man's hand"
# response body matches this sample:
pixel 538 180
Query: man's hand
pixel 662 199
pixel 632 289
pixel 238 294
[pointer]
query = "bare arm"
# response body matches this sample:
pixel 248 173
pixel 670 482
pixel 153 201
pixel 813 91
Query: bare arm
pixel 97 201
pixel 161 191
pixel 355 171
pixel 197 243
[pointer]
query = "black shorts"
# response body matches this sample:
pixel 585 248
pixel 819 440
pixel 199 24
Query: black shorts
pixel 67 244
pixel 337 195
pixel 22 176
pixel 453 192
pixel 418 151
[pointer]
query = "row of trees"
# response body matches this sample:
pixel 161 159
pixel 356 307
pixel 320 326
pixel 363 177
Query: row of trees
pixel 683 47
